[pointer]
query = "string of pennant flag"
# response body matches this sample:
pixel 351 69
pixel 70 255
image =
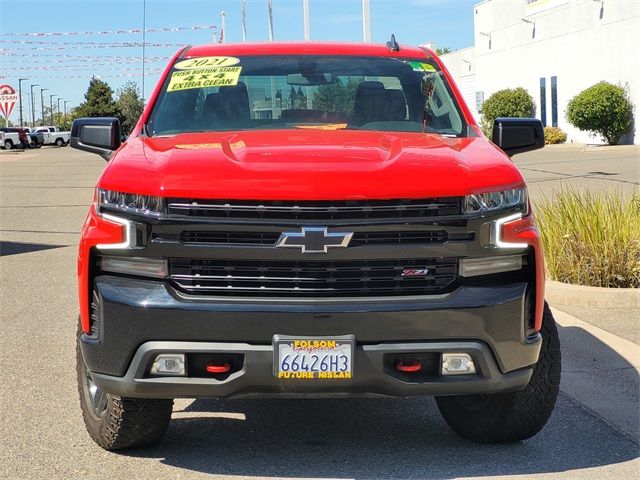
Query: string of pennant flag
pixel 67 57
pixel 115 75
pixel 84 59
pixel 44 42
pixel 110 32
pixel 75 67
pixel 94 46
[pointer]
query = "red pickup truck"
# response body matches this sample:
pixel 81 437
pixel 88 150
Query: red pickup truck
pixel 309 219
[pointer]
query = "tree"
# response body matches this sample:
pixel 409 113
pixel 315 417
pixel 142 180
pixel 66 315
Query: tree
pixel 443 51
pixel 99 101
pixel 337 97
pixel 604 109
pixel 301 98
pixel 509 102
pixel 130 104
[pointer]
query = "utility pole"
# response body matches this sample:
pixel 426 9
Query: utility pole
pixel 307 22
pixel 366 20
pixel 65 110
pixel 20 97
pixel 42 102
pixel 51 106
pixel 33 106
pixel 223 26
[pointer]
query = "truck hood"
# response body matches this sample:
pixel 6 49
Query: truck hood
pixel 309 165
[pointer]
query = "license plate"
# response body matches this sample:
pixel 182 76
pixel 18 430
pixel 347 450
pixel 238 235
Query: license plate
pixel 325 358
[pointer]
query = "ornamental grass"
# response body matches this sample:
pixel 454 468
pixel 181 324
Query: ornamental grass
pixel 591 237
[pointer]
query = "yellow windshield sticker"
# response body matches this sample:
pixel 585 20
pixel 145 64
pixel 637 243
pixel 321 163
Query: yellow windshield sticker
pixel 204 62
pixel 203 78
pixel 427 67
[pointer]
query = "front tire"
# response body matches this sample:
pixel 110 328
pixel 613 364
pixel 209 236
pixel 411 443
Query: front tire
pixel 114 422
pixel 511 417
pixel 59 142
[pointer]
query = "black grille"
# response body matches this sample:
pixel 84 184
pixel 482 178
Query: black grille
pixel 386 238
pixel 270 238
pixel 313 278
pixel 95 315
pixel 231 238
pixel 316 210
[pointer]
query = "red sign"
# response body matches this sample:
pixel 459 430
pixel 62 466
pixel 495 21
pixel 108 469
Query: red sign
pixel 8 98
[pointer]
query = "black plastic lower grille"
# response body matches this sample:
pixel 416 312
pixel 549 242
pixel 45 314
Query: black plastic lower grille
pixel 313 278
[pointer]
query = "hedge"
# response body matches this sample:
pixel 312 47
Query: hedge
pixel 506 103
pixel 603 109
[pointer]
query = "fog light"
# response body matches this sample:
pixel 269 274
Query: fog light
pixel 169 364
pixel 143 266
pixel 457 364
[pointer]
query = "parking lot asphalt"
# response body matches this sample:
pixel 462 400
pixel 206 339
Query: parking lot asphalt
pixel 44 194
pixel 578 166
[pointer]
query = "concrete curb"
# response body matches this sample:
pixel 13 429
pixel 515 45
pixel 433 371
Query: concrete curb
pixel 558 293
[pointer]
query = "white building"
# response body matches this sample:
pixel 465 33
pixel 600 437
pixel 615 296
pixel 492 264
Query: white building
pixel 554 49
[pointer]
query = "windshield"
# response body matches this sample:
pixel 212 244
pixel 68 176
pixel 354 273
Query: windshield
pixel 307 91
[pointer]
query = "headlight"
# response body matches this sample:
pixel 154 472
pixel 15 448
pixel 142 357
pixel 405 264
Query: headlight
pixel 130 202
pixel 495 201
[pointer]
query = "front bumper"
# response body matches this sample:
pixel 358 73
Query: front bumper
pixel 256 376
pixel 136 319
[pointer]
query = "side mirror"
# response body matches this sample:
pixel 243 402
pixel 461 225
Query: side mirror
pixel 99 135
pixel 517 135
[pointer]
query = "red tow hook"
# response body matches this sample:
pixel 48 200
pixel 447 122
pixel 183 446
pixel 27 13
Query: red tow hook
pixel 409 366
pixel 215 368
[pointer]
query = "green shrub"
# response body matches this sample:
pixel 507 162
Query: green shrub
pixel 506 103
pixel 553 135
pixel 591 238
pixel 603 109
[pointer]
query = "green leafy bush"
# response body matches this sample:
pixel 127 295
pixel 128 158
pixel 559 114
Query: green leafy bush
pixel 604 109
pixel 591 238
pixel 553 135
pixel 506 103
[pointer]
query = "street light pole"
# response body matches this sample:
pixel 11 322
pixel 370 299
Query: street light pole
pixel 59 105
pixel 33 106
pixel 20 97
pixel 42 102
pixel 51 106
pixel 28 110
pixel 366 20
pixel 65 110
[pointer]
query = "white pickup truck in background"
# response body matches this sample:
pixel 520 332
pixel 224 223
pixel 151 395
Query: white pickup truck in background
pixel 19 137
pixel 53 136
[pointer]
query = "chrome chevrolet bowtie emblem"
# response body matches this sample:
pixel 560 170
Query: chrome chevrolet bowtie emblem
pixel 314 239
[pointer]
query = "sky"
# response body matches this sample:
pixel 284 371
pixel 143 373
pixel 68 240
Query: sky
pixel 51 64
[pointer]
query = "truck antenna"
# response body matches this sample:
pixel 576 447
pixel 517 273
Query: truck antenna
pixel 392 45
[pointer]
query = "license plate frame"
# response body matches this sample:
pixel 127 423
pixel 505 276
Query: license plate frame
pixel 285 344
